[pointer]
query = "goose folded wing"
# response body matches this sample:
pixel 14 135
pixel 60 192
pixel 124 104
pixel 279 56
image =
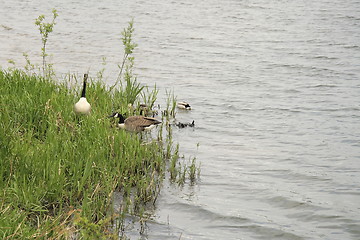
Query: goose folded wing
pixel 147 121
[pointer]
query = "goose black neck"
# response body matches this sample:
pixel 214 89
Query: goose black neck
pixel 121 119
pixel 84 87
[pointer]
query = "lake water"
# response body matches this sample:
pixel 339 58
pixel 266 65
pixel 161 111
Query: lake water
pixel 275 90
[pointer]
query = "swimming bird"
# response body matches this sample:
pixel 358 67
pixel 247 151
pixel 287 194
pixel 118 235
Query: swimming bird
pixel 184 125
pixel 136 123
pixel 184 105
pixel 82 106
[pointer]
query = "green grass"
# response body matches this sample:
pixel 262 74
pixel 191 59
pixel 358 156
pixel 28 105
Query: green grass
pixel 58 171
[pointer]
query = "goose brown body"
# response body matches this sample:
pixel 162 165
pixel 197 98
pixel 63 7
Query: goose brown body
pixel 140 123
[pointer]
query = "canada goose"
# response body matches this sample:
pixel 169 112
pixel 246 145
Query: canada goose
pixel 82 106
pixel 136 123
pixel 184 105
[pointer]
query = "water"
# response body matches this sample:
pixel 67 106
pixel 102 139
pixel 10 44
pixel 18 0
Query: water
pixel 275 91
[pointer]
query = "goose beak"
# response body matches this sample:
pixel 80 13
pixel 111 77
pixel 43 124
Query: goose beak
pixel 115 115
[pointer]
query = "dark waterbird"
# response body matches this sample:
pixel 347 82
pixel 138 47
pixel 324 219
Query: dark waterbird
pixel 184 125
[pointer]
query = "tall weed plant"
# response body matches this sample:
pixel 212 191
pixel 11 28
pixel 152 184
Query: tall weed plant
pixel 45 29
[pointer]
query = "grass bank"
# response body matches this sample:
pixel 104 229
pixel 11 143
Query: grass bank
pixel 58 172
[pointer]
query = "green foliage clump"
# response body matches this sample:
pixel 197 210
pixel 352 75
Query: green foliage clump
pixel 53 161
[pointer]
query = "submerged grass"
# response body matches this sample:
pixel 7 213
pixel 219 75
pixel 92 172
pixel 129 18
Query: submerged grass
pixel 58 171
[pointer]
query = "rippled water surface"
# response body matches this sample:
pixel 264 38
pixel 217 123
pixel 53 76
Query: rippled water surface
pixel 275 90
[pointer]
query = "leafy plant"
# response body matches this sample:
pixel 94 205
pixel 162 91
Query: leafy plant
pixel 29 67
pixel 129 46
pixel 45 29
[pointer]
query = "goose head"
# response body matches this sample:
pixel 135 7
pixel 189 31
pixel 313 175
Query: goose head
pixel 121 119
